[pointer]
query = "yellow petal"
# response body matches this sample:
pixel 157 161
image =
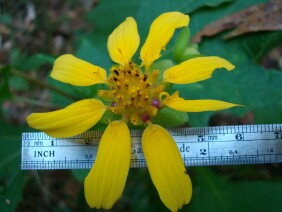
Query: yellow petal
pixel 166 167
pixel 124 41
pixel 177 103
pixel 72 120
pixel 160 33
pixel 195 69
pixel 74 71
pixel 104 184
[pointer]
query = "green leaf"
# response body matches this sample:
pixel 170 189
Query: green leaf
pixel 168 117
pixel 214 193
pixel 24 62
pixel 5 18
pixel 80 174
pixel 258 44
pixel 93 49
pixel 18 84
pixel 144 11
pixel 45 58
pixel 248 84
pixel 11 176
pixel 4 83
pixel 141 192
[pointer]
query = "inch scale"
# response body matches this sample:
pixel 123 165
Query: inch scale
pixel 201 146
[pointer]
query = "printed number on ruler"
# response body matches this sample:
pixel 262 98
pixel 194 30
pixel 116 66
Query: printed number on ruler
pixel 204 146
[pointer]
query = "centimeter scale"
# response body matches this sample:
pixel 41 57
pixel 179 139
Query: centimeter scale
pixel 202 146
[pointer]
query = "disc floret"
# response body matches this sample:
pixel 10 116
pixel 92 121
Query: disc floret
pixel 134 94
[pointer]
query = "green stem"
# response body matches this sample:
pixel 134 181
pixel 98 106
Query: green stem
pixel 34 102
pixel 43 84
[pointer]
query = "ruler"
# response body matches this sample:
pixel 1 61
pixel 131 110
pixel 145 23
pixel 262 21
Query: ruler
pixel 201 146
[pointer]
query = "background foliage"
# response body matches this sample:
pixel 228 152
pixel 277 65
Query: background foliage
pixel 33 34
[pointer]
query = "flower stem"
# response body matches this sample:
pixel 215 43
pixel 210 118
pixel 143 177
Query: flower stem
pixel 43 84
pixel 35 102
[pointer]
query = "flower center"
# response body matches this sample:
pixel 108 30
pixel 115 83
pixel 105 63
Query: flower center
pixel 134 94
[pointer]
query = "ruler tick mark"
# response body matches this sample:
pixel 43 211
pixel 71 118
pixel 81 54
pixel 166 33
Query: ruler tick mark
pixel 203 146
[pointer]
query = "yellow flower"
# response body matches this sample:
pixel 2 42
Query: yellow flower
pixel 137 93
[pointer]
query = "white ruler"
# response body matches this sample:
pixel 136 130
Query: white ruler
pixel 203 146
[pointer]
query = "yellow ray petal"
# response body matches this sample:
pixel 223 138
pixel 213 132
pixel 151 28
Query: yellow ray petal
pixel 166 167
pixel 124 41
pixel 195 69
pixel 177 103
pixel 104 184
pixel 74 71
pixel 160 33
pixel 72 120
